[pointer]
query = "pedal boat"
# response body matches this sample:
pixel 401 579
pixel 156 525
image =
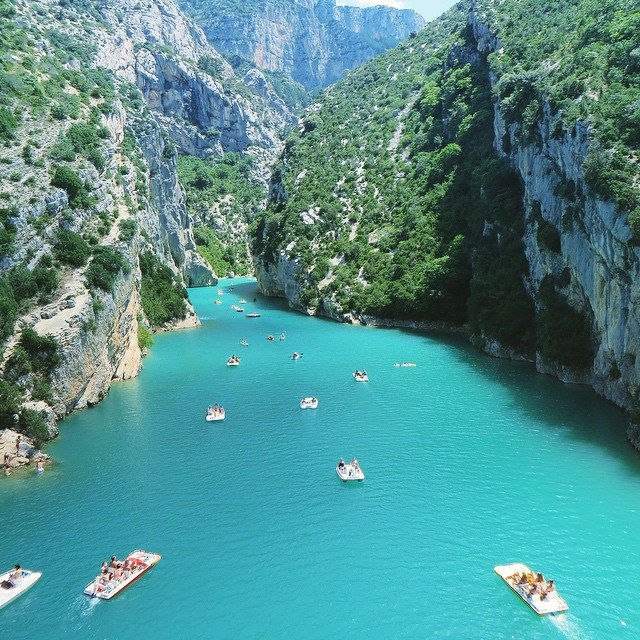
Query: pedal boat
pixel 220 292
pixel 233 362
pixel 141 562
pixel 8 594
pixel 252 315
pixel 309 403
pixel 350 471
pixel 360 376
pixel 214 414
pixel 543 604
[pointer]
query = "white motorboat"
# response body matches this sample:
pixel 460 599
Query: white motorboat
pixel 252 315
pixel 106 586
pixel 360 376
pixel 533 589
pixel 233 361
pixel 296 356
pixel 240 310
pixel 349 471
pixel 11 588
pixel 214 413
pixel 309 403
pixel 283 336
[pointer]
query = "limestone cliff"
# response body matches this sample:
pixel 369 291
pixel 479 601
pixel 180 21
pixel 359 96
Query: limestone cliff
pixel 312 41
pixel 92 162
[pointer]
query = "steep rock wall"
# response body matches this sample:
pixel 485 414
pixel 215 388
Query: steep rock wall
pixel 313 42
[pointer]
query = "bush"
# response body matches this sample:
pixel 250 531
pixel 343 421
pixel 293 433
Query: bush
pixel 43 351
pixel 145 340
pixel 33 425
pixel 10 401
pixel 71 248
pixel 162 295
pixel 107 263
pixel 8 309
pixel 8 124
pixel 67 179
pixel 128 230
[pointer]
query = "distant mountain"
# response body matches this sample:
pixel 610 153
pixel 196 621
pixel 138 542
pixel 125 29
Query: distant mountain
pixel 312 42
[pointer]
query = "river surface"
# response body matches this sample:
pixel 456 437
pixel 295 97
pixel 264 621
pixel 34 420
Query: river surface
pixel 470 462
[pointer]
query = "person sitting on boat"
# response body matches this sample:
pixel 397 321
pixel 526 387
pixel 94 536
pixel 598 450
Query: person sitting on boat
pixel 113 564
pixel 545 591
pixel 15 576
pixel 341 464
pixel 354 463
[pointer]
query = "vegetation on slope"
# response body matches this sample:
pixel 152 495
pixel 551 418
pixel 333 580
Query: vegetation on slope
pixel 387 197
pixel 224 199
pixel 399 205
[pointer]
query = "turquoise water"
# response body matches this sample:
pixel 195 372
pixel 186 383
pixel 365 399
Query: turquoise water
pixel 470 462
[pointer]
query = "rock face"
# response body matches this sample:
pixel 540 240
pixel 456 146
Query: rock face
pixel 596 264
pixel 314 42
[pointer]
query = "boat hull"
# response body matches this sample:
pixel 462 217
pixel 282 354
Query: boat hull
pixel 29 578
pixel 552 603
pixel 215 417
pixel 309 403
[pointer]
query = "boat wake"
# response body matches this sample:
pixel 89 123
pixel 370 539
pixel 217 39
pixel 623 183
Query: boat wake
pixel 569 627
pixel 89 605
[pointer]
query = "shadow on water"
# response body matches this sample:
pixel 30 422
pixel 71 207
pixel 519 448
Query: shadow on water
pixel 577 408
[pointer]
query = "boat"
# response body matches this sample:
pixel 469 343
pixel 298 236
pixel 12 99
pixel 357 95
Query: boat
pixel 282 336
pixel 309 403
pixel 253 315
pixel 16 586
pixel 235 307
pixel 242 301
pixel 240 310
pixel 350 471
pixel 219 292
pixel 214 413
pixel 136 564
pixel 532 588
pixel 244 343
pixel 233 361
pixel 404 364
pixel 216 301
pixel 270 338
pixel 296 356
pixel 360 376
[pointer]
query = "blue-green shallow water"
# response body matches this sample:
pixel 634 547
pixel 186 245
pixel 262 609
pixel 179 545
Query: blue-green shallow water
pixel 469 462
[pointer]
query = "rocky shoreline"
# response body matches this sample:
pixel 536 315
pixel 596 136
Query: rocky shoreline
pixel 16 450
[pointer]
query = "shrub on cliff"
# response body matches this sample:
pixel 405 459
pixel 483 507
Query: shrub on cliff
pixel 67 179
pixel 10 401
pixel 71 248
pixel 34 426
pixel 162 295
pixel 107 263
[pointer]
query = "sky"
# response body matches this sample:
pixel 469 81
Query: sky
pixel 429 9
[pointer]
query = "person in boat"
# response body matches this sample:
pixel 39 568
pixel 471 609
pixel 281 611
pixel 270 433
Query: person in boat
pixel 341 464
pixel 354 463
pixel 545 591
pixel 16 575
pixel 269 337
pixel 113 564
